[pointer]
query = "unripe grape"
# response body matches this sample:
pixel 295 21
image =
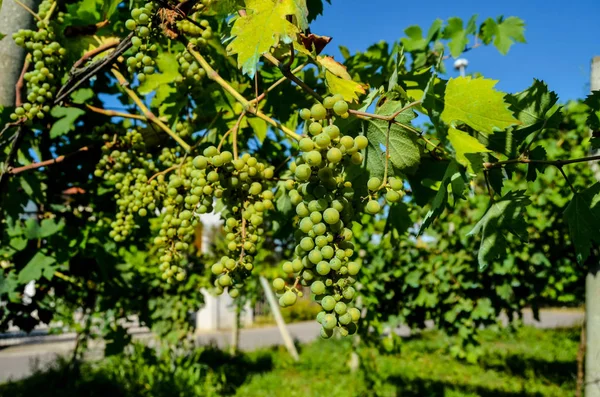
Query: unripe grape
pixel 306 144
pixel 328 303
pixel 372 207
pixel 289 298
pixel 303 172
pixel 334 155
pixel 353 268
pixel 315 128
pixel 355 313
pixel 361 142
pixel 318 111
pixel 374 183
pixel 329 321
pixel 326 333
pixel 328 102
pixel 317 288
pixel 305 114
pixel 331 216
pixel 278 284
pixel 392 196
pixel 340 107
pixel 313 158
pixel 340 308
pixel 345 319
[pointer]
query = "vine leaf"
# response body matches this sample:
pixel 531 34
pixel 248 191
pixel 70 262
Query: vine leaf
pixel 40 265
pixel 66 121
pixel 538 153
pixel 404 151
pixel 464 143
pixel 167 64
pixel 476 103
pixel 263 26
pixel 593 120
pixel 503 32
pixel 453 183
pixel 339 81
pixel 536 108
pixel 457 35
pixel 583 217
pixel 504 215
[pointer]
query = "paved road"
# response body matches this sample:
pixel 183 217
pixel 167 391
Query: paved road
pixel 19 361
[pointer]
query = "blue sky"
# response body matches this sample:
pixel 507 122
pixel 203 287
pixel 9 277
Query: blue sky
pixel 562 37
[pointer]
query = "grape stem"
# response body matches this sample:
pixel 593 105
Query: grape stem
pixel 147 113
pixel 20 83
pixel 111 113
pixel 112 43
pixel 387 157
pixel 275 84
pixel 525 160
pixel 290 76
pixel 44 163
pixel 248 106
pixel 234 133
pixel 29 10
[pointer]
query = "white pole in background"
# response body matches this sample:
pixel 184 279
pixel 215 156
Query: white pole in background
pixel 592 291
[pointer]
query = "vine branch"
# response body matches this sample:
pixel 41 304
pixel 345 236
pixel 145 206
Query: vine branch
pixel 147 113
pixel 112 43
pixel 45 163
pixel 290 76
pixel 114 113
pixel 525 160
pixel 248 106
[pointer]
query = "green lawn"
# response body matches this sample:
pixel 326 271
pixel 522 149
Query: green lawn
pixel 529 362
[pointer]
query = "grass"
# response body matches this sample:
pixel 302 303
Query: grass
pixel 528 362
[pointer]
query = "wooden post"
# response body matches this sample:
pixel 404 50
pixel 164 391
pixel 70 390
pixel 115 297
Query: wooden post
pixel 287 339
pixel 592 292
pixel 235 331
pixel 12 18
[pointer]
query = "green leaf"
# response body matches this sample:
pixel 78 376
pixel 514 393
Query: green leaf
pixel 404 151
pixel 504 215
pixel 453 183
pixel 476 103
pixel 457 35
pixel 593 101
pixel 66 121
pixel 464 143
pixel 168 65
pixel 109 8
pixel 82 95
pixel 262 28
pixel 39 265
pixel 260 128
pixel 583 217
pixel 398 219
pixel 2 35
pixel 8 284
pixel 49 227
pixel 536 108
pixel 503 32
pixel 116 340
pixel 538 153
pixel 414 40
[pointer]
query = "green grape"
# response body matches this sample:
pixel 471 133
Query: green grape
pixel 329 102
pixel 289 298
pixel 374 183
pixel 329 321
pixel 340 107
pixel 303 172
pixel 318 111
pixel 317 288
pixel 305 114
pixel 326 333
pixel 306 144
pixel 315 128
pixel 372 207
pixel 328 303
pixel 396 184
pixel 278 284
pixel 331 216
pixel 392 196
pixel 355 313
pixel 340 308
pixel 361 142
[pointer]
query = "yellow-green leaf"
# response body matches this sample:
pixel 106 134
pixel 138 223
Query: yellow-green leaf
pixel 464 143
pixel 476 103
pixel 262 28
pixel 167 64
pixel 349 89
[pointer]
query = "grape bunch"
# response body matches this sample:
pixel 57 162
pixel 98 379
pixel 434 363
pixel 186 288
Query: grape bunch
pixel 189 69
pixel 143 52
pixel 392 190
pixel 242 185
pixel 46 56
pixel 126 165
pixel 322 197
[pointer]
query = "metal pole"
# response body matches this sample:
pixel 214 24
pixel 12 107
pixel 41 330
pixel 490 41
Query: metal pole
pixel 287 339
pixel 12 18
pixel 592 293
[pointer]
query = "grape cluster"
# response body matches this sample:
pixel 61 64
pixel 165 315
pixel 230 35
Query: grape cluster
pixel 127 165
pixel 189 68
pixel 392 190
pixel 322 197
pixel 241 184
pixel 143 52
pixel 46 57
